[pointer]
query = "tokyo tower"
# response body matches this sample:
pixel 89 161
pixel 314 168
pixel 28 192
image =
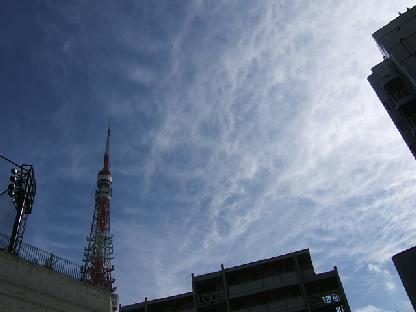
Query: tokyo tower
pixel 97 267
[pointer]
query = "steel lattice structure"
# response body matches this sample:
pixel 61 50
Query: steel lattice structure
pixel 22 191
pixel 97 268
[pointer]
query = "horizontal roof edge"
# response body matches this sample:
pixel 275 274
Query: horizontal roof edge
pixel 398 20
pixel 153 301
pixel 404 252
pixel 254 263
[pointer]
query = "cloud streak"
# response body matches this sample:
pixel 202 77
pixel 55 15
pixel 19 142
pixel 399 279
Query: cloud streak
pixel 242 130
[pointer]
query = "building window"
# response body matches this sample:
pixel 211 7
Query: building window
pixel 396 88
pixel 329 298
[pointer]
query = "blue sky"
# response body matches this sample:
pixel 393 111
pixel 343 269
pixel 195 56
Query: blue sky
pixel 241 130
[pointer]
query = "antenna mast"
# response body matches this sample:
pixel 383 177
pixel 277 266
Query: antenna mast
pixel 97 267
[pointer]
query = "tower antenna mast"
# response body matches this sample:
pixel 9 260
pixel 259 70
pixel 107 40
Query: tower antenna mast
pixel 97 268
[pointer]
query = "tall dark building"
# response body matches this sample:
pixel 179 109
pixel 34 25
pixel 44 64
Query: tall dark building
pixel 394 79
pixel 405 263
pixel 283 283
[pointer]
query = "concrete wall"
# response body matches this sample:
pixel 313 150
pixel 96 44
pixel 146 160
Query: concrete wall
pixel 26 286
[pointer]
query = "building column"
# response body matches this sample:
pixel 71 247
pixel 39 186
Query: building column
pixel 194 293
pixel 225 284
pixel 301 282
pixel 341 288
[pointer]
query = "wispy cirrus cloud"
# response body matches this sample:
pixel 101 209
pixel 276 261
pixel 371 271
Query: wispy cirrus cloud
pixel 241 130
pixel 275 124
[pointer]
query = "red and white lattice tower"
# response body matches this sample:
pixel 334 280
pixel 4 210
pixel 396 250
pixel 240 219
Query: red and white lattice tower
pixel 97 267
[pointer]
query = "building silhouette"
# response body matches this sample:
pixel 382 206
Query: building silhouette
pixel 283 283
pixel 394 79
pixel 405 263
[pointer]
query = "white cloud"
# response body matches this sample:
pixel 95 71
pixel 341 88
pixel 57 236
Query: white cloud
pixel 370 308
pixel 384 273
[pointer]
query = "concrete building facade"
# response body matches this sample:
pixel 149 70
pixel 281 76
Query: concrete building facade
pixel 28 286
pixel 405 263
pixel 394 79
pixel 283 283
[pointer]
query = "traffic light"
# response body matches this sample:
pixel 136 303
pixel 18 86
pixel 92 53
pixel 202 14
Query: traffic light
pixel 11 190
pixel 15 188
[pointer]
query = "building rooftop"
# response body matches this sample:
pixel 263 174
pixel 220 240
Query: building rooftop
pixel 402 18
pixel 276 281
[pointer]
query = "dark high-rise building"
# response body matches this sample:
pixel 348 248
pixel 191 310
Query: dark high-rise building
pixel 405 263
pixel 283 283
pixel 394 79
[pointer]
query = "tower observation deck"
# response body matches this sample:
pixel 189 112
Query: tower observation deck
pixel 97 268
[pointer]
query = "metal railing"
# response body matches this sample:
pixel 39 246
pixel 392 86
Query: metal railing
pixel 211 297
pixel 46 259
pixel 4 241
